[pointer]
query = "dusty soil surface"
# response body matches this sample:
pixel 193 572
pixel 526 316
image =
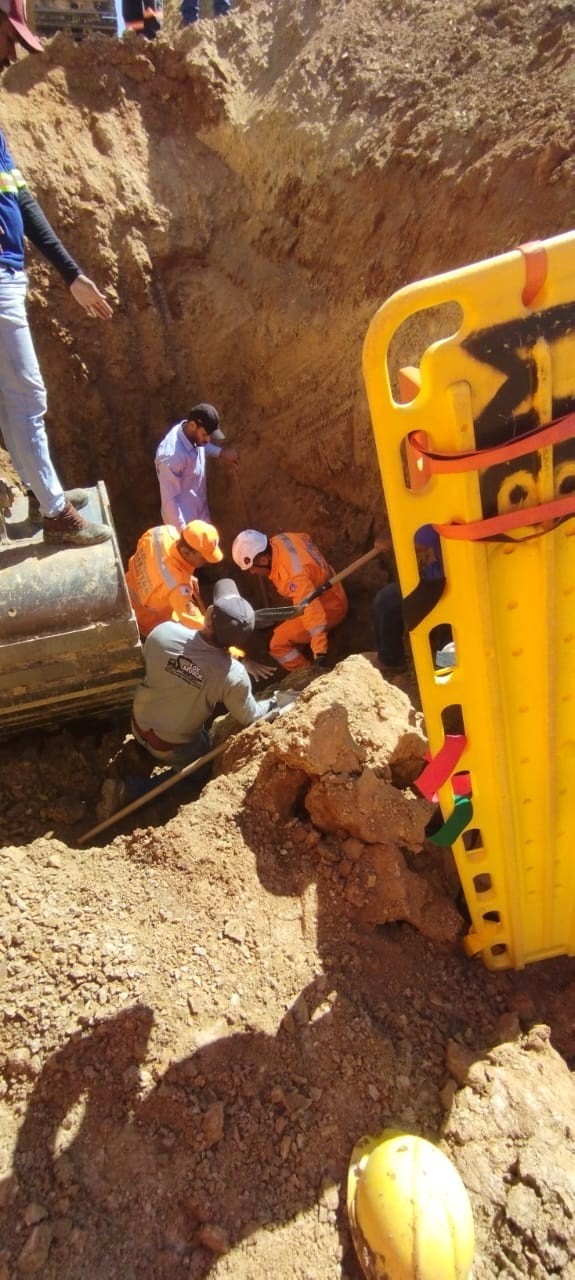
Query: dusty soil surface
pixel 200 1017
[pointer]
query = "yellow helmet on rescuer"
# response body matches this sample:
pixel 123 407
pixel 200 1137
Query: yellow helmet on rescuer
pixel 409 1212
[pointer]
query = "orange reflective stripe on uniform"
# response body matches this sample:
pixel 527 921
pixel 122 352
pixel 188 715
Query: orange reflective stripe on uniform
pixel 160 584
pixel 297 569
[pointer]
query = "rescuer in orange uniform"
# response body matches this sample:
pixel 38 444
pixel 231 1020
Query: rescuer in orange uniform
pixel 296 567
pixel 160 574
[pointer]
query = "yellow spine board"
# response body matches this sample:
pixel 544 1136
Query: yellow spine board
pixel 509 366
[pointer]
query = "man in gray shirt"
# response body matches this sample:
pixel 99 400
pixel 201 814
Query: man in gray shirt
pixel 187 673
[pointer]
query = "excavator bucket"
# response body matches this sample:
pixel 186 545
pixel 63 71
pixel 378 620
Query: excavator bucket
pixel 69 641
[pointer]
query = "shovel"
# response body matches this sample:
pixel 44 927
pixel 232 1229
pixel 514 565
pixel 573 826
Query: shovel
pixel 271 617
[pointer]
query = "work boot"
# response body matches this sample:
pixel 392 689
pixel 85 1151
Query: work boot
pixel 78 498
pixel 70 529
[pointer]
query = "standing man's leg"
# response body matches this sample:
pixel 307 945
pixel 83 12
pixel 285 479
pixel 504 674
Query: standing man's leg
pixel 389 626
pixel 23 410
pixel 190 11
pixel 221 7
pixel 24 398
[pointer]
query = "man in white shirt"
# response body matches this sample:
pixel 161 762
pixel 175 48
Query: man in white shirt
pixel 181 465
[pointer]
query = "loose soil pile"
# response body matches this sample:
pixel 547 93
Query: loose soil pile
pixel 200 1018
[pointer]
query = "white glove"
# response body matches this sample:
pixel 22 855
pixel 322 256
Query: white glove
pixel 283 700
pixel 286 697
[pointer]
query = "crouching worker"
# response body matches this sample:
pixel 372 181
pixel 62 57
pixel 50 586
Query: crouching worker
pixel 160 574
pixel 188 673
pixel 297 568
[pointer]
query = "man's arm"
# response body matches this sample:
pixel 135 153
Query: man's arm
pixel 42 234
pixel 230 458
pixel 186 605
pixel 170 488
pixel 239 699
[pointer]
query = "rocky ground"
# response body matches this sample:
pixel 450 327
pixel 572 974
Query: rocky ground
pixel 202 1016
pixel 204 1010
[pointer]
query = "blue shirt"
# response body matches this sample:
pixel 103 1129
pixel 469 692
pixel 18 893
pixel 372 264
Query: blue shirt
pixel 11 225
pixel 430 559
pixel 181 470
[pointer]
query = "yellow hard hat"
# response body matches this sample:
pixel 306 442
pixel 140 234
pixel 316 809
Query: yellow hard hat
pixel 409 1212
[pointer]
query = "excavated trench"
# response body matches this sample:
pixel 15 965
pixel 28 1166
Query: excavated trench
pixel 248 193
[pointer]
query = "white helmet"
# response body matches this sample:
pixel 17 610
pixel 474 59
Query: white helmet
pixel 247 546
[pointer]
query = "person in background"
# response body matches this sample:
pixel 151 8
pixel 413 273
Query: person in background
pixel 143 16
pixel 22 391
pixel 190 10
pixel 188 673
pixel 388 619
pixel 296 567
pixel 181 465
pixel 160 574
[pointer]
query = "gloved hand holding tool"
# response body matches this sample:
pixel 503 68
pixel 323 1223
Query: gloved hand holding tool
pixel 271 617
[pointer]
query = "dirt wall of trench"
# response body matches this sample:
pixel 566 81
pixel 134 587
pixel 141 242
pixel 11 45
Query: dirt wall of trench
pixel 248 192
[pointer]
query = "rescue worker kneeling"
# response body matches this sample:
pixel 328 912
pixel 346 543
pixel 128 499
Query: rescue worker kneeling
pixel 188 673
pixel 296 567
pixel 160 574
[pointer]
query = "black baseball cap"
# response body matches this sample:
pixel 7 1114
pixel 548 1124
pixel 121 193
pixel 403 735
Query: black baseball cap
pixel 233 617
pixel 207 417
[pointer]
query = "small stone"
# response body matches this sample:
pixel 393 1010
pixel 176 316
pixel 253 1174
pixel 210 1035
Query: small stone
pixel 507 1027
pixel 329 1194
pixel 235 930
pixel 18 1062
pixel 35 1251
pixel 447 1094
pixel 300 1011
pixel 373 1092
pixel 34 1213
pixel 8 1190
pixel 213 1123
pixel 213 1237
pixel 459 1060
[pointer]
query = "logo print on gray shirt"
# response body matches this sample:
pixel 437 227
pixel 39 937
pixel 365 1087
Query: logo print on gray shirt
pixel 184 669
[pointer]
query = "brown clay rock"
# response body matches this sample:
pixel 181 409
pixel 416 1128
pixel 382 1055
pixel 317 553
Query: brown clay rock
pixel 384 889
pixel 315 737
pixel 511 1133
pixel 351 717
pixel 369 808
pixel 277 788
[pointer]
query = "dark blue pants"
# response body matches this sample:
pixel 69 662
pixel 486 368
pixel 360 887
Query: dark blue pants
pixel 190 10
pixel 389 626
